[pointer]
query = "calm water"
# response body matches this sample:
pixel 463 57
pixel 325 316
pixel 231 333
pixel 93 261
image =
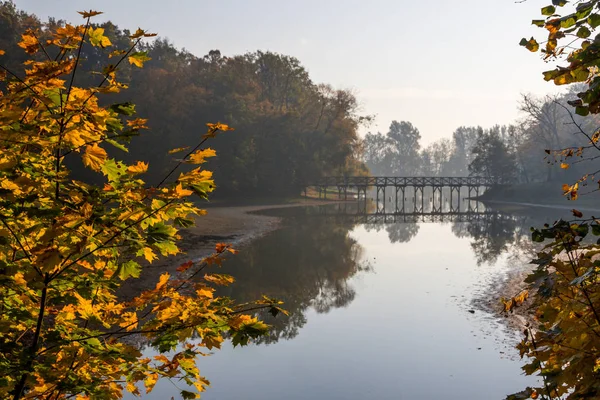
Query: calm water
pixel 378 311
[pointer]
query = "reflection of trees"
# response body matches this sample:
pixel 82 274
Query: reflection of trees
pixel 493 235
pixel 306 264
pixel 401 232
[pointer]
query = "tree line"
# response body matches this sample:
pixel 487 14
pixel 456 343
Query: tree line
pixel 518 153
pixel 289 129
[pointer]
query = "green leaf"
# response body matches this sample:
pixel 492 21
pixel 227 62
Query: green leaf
pixel 531 44
pixel 538 22
pixel 567 21
pixel 537 236
pixel 159 233
pixel 548 10
pixel 186 395
pixel 583 32
pixel 117 145
pixel 124 108
pixel 113 169
pixel 129 269
pixel 594 20
pixel 583 10
pixel 166 343
pixel 559 3
pixel 183 222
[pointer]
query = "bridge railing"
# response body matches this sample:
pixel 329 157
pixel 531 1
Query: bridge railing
pixel 362 181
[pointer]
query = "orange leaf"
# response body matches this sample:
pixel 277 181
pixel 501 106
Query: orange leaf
pixel 89 14
pixel 185 266
pixel 138 168
pixel 94 157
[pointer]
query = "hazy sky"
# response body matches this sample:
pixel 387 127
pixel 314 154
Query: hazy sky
pixel 439 64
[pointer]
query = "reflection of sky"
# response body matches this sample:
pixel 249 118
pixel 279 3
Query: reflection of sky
pixel 405 336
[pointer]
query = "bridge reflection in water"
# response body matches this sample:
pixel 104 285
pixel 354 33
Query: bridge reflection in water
pixel 368 212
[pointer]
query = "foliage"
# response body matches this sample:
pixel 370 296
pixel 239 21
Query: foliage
pixel 290 130
pixel 396 152
pixel 67 245
pixel 492 159
pixel 564 347
pixel 570 26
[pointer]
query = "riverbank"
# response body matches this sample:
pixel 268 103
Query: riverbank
pixel 535 195
pixel 237 225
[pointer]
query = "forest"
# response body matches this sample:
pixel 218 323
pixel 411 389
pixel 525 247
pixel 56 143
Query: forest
pixel 289 129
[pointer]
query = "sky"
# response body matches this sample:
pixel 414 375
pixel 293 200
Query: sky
pixel 439 64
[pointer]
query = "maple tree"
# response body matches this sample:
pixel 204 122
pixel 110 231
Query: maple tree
pixel 563 346
pixel 67 245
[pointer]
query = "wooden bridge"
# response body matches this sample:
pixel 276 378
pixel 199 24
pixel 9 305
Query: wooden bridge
pixel 400 185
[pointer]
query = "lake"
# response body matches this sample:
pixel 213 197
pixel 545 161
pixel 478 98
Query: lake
pixel 378 310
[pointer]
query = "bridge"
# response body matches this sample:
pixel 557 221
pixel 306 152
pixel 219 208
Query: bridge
pixel 400 185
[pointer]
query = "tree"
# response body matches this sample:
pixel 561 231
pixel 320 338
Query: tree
pixel 66 245
pixel 396 153
pixel 492 158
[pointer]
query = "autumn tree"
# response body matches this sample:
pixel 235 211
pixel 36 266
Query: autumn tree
pixel 563 345
pixel 67 245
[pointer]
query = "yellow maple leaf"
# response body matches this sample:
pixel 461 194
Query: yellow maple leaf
pixel 97 37
pixel 138 168
pixel 149 254
pixel 131 388
pixel 150 381
pixel 129 321
pixel 89 14
pixel 206 293
pixel 200 156
pixel 29 42
pixel 94 157
pixel 162 282
pixel 239 320
pixel 19 279
pixel 179 149
pixel 85 307
pixel 138 59
pixel 181 192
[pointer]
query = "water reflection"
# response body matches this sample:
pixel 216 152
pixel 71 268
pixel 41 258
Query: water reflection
pixel 372 302
pixel 305 264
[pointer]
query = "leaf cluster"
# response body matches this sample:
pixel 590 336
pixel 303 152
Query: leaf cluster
pixel 67 245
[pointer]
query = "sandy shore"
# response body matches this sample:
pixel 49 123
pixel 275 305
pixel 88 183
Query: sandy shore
pixel 235 225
